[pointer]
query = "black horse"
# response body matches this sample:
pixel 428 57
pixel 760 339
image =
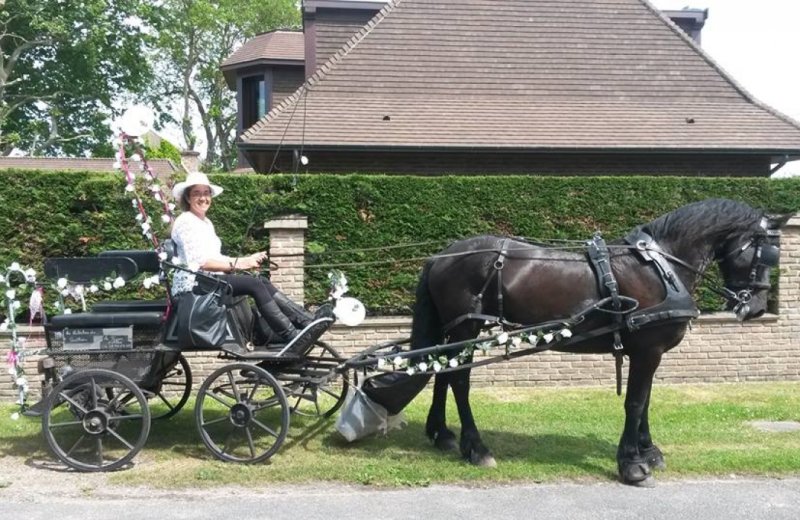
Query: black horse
pixel 658 264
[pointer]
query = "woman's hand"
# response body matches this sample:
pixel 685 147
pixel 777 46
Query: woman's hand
pixel 252 261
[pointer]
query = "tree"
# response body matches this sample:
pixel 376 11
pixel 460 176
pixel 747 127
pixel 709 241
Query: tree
pixel 202 33
pixel 61 67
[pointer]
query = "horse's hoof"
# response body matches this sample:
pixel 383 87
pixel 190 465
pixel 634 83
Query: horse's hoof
pixel 446 443
pixel 653 457
pixel 636 473
pixel 485 460
pixel 649 482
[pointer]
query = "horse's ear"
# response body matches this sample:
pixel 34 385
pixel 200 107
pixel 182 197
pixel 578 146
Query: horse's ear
pixel 778 221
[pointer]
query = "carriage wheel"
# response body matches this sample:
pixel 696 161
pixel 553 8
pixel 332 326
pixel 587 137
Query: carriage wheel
pixel 175 389
pixel 242 413
pixel 87 430
pixel 308 396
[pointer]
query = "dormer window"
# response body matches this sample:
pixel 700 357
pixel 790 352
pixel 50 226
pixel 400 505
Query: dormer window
pixel 254 100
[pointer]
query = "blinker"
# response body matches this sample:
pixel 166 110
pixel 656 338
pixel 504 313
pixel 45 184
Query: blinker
pixel 770 255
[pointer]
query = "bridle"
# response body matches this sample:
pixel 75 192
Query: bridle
pixel 766 256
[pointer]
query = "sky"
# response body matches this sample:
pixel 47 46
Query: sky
pixel 757 43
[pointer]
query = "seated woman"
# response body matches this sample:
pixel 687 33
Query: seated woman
pixel 199 246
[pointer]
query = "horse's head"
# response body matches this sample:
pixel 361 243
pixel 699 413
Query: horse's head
pixel 745 263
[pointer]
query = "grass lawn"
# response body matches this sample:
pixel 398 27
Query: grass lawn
pixel 535 434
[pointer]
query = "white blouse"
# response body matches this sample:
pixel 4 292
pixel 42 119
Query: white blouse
pixel 196 243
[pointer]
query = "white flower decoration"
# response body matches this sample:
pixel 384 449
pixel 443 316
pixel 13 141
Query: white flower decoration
pixel 410 371
pixel 163 256
pixel 502 339
pixel 398 361
pixel 4 326
pixel 129 187
pixel 119 282
pixel 139 217
pixel 422 366
pixel 15 267
pixel 453 363
pixel 381 362
pixel 157 196
pixel 67 311
pixel 61 283
pixel 436 366
pixel 171 206
pixel 166 219
pixel 548 337
pixel 93 288
pixel 10 294
pixel 516 341
pixel 79 289
pixel 16 305
pixel 565 333
pixel 107 286
pixel 30 276
pixel 136 157
pixel 147 283
pixel 117 165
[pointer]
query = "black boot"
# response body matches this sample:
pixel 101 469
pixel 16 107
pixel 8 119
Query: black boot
pixel 297 314
pixel 278 321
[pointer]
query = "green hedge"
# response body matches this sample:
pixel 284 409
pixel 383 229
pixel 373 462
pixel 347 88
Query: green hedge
pixel 76 214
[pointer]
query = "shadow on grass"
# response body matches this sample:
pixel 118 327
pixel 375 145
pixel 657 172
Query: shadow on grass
pixel 178 435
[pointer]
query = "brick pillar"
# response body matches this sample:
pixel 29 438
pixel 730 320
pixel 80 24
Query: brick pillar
pixel 287 240
pixel 789 284
pixel 190 160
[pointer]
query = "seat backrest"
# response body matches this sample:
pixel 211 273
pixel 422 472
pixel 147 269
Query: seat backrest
pixel 146 260
pixel 91 269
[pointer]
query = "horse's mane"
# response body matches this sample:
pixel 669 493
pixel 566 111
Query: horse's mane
pixel 722 218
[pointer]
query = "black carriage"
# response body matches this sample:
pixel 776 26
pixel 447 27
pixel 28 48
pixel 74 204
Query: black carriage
pixel 104 368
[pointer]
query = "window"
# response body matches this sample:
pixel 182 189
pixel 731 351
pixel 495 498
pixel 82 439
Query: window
pixel 254 100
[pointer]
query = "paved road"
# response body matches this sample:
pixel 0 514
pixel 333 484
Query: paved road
pixel 767 499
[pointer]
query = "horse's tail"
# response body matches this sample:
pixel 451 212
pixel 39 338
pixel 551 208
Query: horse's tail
pixel 426 327
pixel 395 390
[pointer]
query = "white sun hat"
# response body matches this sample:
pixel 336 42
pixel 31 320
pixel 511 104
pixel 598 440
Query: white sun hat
pixel 195 179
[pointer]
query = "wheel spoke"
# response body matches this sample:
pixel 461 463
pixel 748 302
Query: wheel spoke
pixel 74 446
pixel 234 387
pixel 99 449
pixel 218 399
pixel 165 401
pixel 125 417
pixel 93 389
pixel 330 393
pixel 72 402
pixel 214 421
pixel 269 403
pixel 63 424
pixel 253 391
pixel 250 442
pixel 120 439
pixel 265 428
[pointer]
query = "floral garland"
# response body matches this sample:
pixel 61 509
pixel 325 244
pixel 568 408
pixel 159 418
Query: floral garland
pixel 151 185
pixel 16 279
pixel 507 341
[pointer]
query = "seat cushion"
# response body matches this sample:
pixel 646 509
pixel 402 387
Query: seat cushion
pixel 130 306
pixel 105 319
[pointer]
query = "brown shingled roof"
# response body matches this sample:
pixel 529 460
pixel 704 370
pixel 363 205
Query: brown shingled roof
pixel 161 167
pixel 275 45
pixel 520 74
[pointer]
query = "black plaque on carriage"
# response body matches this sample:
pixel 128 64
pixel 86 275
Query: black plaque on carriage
pixel 93 339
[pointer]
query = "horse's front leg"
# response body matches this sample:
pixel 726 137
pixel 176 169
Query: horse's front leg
pixel 633 468
pixel 436 425
pixel 647 450
pixel 472 447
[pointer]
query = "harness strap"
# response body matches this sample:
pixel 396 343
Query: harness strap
pixel 607 284
pixel 498 266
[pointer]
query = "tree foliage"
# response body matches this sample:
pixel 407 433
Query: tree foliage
pixel 200 35
pixel 61 67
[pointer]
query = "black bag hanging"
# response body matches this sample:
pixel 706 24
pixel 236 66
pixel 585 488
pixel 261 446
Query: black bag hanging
pixel 202 319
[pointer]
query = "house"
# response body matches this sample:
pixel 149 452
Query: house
pixel 162 168
pixel 471 86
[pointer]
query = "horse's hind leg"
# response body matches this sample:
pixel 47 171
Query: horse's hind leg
pixel 633 468
pixel 472 447
pixel 436 425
